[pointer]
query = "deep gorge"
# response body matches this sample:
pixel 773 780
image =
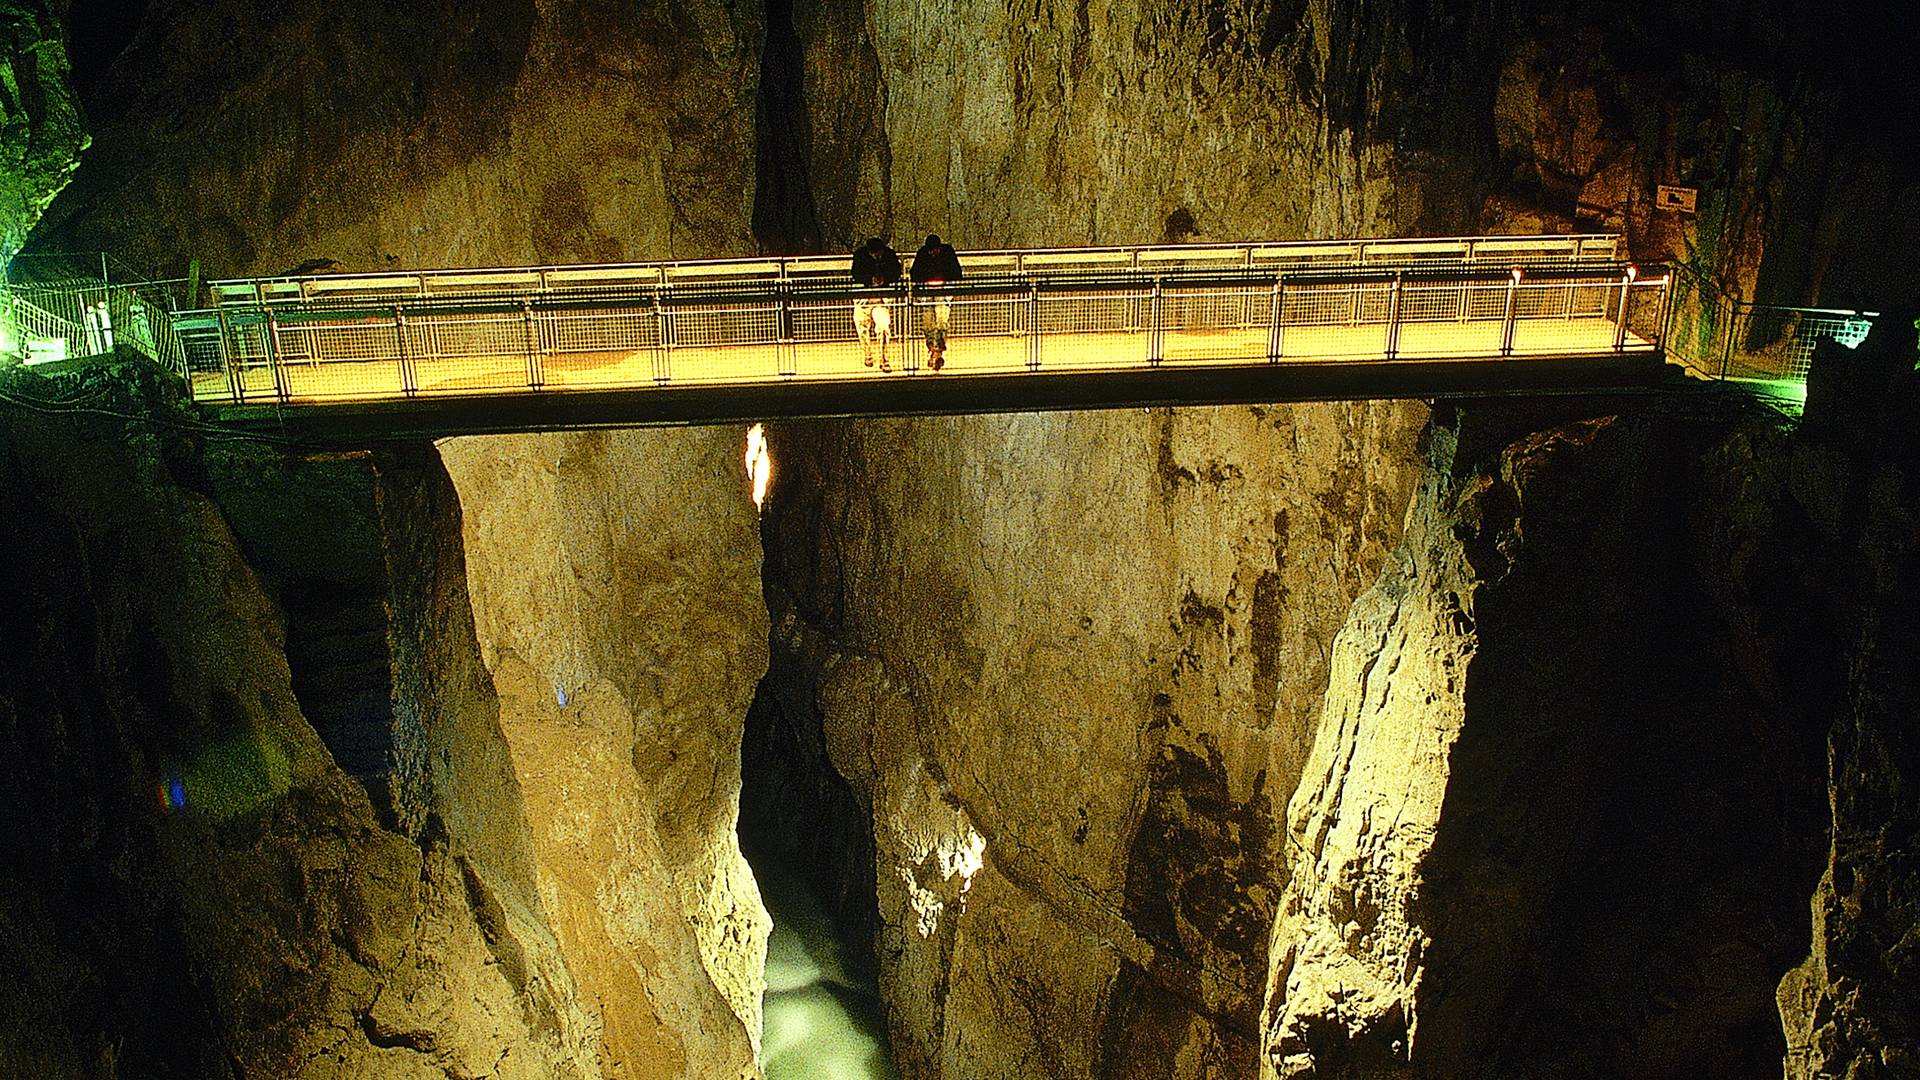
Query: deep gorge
pixel 1560 737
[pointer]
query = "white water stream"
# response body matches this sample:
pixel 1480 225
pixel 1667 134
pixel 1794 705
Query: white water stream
pixel 820 1022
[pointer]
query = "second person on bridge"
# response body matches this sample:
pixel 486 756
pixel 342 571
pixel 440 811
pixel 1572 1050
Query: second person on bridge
pixel 935 265
pixel 875 265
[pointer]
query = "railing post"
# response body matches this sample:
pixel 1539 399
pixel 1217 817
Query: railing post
pixel 1620 327
pixel 409 380
pixel 1273 325
pixel 271 341
pixel 1156 343
pixel 1729 335
pixel 1506 318
pixel 236 382
pixel 1666 310
pixel 1033 326
pixel 785 351
pixel 536 378
pixel 1246 298
pixel 662 335
pixel 1393 319
pixel 1133 291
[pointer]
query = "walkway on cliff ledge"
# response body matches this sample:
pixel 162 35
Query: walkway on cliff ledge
pixel 470 351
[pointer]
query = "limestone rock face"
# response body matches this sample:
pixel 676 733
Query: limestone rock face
pixel 191 885
pixel 615 589
pixel 1850 1008
pixel 366 135
pixel 1063 123
pixel 1564 796
pixel 1069 664
pixel 41 134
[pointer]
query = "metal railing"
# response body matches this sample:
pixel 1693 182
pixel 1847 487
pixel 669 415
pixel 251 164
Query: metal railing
pixel 78 318
pixel 479 332
pixel 1721 337
pixel 1496 252
pixel 31 334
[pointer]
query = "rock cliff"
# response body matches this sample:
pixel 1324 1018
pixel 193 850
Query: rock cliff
pixel 1068 665
pixel 193 884
pixel 614 583
pixel 1849 1009
pixel 41 135
pixel 1562 804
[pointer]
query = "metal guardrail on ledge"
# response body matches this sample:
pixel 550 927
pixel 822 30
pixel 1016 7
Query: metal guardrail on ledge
pixel 67 315
pixel 371 337
pixel 1765 346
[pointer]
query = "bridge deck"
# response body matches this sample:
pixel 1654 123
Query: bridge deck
pixel 319 382
pixel 509 349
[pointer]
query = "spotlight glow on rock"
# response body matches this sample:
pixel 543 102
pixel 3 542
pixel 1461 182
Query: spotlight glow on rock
pixel 759 463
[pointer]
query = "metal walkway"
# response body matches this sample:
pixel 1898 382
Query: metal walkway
pixel 524 348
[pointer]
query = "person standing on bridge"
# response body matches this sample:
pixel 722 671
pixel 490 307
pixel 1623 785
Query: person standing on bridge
pixel 875 265
pixel 934 265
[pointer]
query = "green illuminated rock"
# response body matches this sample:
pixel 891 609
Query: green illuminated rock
pixel 41 134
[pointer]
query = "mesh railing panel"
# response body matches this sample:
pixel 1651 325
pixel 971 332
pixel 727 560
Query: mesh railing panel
pixel 615 328
pixel 803 332
pixel 1085 313
pixel 727 324
pixel 1776 344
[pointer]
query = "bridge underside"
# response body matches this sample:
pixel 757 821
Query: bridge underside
pixel 921 393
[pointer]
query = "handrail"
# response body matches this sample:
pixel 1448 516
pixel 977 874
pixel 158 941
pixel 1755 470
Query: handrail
pixel 661 331
pixel 1724 337
pixel 1584 248
pixel 88 318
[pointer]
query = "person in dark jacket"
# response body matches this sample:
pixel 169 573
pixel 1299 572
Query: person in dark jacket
pixel 934 265
pixel 875 265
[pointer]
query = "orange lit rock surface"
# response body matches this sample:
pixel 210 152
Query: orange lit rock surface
pixel 615 580
pixel 1070 666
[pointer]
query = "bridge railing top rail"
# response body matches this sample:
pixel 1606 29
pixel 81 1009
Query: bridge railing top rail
pixel 1579 249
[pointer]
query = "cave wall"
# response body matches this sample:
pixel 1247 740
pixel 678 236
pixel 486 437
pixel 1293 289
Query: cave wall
pixel 1850 1008
pixel 41 133
pixel 1068 664
pixel 359 137
pixel 1134 122
pixel 192 884
pixel 364 135
pixel 1565 797
pixel 513 132
pixel 615 586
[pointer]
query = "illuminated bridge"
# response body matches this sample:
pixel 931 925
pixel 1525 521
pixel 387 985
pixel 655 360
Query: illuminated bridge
pixel 432 352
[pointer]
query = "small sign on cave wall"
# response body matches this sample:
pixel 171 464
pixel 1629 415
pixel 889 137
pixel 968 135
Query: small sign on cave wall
pixel 1681 199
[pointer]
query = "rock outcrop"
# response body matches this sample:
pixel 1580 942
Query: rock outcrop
pixel 41 134
pixel 614 578
pixel 1850 1008
pixel 192 884
pixel 1069 665
pixel 1566 796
